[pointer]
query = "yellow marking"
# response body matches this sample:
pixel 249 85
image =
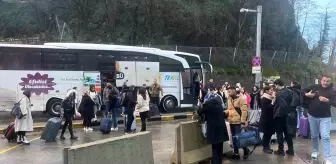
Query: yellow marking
pixel 190 115
pixel 13 147
pixel 167 118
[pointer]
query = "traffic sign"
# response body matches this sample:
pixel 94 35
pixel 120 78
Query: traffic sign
pixel 256 61
pixel 256 69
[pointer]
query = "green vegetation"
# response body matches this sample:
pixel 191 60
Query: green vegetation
pixel 199 23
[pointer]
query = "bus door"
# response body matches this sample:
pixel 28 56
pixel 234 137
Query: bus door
pixel 190 80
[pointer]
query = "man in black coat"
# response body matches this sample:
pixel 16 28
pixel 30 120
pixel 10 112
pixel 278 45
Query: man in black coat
pixel 216 127
pixel 320 98
pixel 284 117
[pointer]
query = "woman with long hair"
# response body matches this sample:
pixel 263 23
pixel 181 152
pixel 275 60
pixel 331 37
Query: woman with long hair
pixel 246 96
pixel 143 106
pixel 86 109
pixel 129 104
pixel 94 96
pixel 24 124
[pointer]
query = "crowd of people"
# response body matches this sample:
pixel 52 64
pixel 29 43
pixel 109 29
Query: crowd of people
pixel 131 99
pixel 281 108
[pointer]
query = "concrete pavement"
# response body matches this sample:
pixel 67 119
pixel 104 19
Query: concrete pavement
pixel 38 125
pixel 163 145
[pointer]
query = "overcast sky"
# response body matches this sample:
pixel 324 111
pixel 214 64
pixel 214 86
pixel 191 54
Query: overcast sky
pixel 311 33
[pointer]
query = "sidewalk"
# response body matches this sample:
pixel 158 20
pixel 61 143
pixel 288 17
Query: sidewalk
pixel 78 123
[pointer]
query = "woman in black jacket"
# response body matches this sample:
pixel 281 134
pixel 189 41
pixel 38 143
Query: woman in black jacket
pixel 266 118
pixel 129 103
pixel 86 109
pixel 216 129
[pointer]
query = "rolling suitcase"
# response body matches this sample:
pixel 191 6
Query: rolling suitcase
pixel 304 127
pixel 153 110
pixel 9 132
pixel 51 129
pixel 133 126
pixel 105 125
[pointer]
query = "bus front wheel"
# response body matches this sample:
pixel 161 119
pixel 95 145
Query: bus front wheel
pixel 54 107
pixel 168 103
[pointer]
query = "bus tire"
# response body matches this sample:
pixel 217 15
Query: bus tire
pixel 54 107
pixel 168 103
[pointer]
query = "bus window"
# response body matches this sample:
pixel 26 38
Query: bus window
pixel 59 60
pixel 17 58
pixel 186 81
pixel 137 56
pixel 88 61
pixel 170 65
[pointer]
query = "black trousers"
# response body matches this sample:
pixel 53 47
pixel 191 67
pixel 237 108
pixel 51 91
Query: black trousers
pixel 130 118
pixel 143 117
pixel 267 138
pixel 217 153
pixel 87 121
pixel 281 131
pixel 67 123
pixel 21 134
pixel 155 100
pixel 236 129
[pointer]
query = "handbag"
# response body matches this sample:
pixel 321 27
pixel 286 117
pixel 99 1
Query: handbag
pixel 249 136
pixel 204 129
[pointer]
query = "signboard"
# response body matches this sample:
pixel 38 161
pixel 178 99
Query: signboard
pixel 256 69
pixel 256 65
pixel 92 78
pixel 256 61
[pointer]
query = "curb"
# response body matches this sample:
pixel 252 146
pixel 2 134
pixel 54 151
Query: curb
pixel 138 120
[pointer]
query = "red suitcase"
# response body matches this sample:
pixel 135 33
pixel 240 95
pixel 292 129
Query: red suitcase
pixel 9 132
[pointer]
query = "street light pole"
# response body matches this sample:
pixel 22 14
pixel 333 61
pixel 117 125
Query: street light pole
pixel 258 76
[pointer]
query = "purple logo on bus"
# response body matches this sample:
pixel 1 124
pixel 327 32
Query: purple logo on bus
pixel 37 83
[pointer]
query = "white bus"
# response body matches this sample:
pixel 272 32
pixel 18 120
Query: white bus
pixel 50 70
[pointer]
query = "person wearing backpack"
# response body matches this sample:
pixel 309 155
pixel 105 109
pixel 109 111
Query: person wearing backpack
pixel 25 123
pixel 296 87
pixel 237 117
pixel 320 98
pixel 285 116
pixel 114 97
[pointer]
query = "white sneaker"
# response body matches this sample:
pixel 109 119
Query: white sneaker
pixel 314 155
pixel 89 129
pixel 18 140
pixel 25 141
pixel 84 128
pixel 327 162
pixel 114 129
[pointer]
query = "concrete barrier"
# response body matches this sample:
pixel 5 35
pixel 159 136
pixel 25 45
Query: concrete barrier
pixel 127 149
pixel 191 146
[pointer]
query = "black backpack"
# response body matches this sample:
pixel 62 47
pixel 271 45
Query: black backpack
pixel 297 99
